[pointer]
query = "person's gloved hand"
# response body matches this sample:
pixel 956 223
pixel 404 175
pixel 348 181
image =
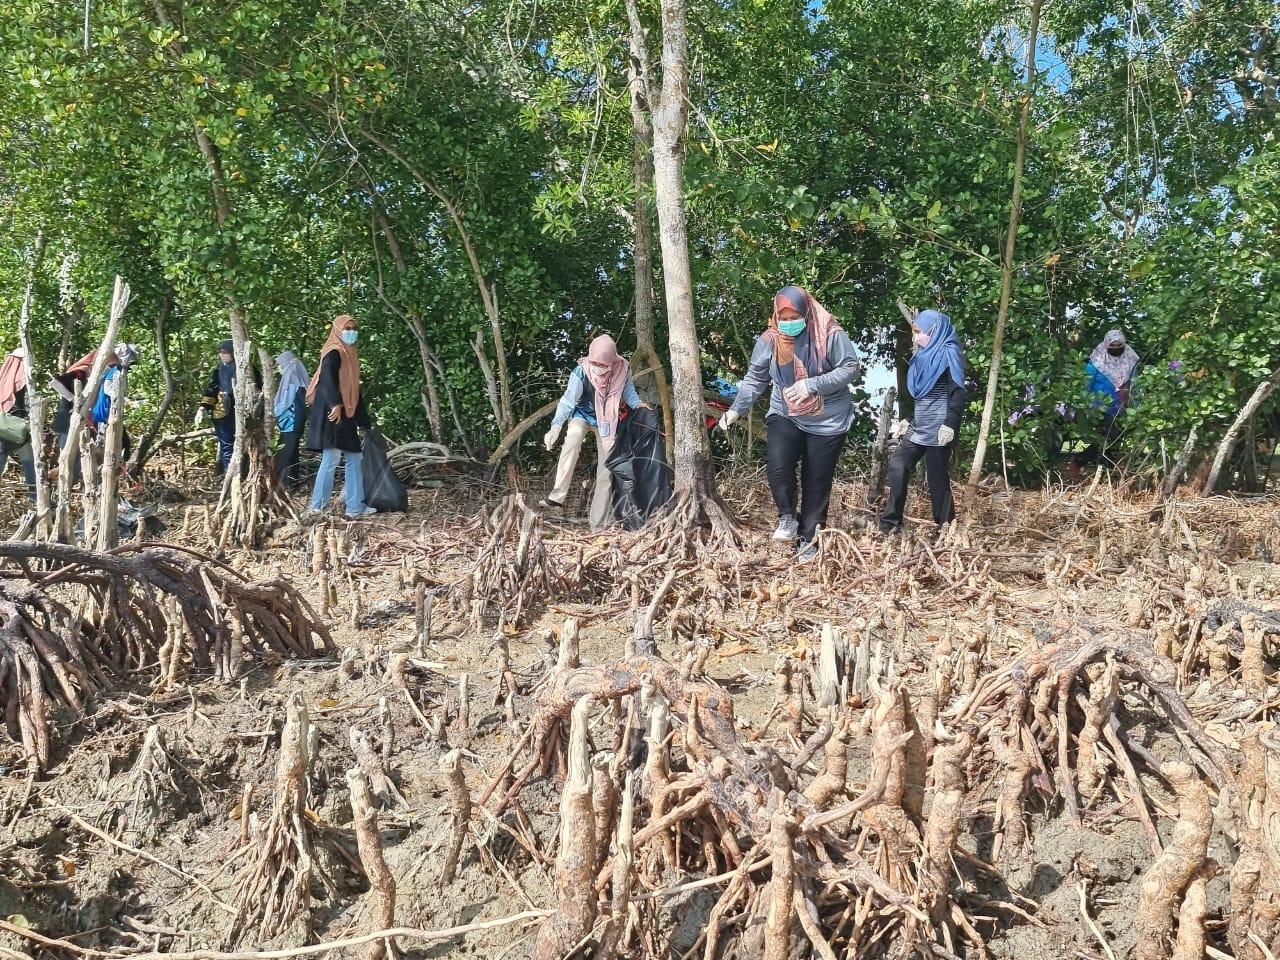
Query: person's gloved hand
pixel 799 391
pixel 945 435
pixel 201 412
pixel 552 435
pixel 900 429
pixel 727 420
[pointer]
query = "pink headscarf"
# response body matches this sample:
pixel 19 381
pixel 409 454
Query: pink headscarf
pixel 820 325
pixel 13 378
pixel 608 384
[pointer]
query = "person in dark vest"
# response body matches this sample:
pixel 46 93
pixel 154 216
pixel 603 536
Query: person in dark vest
pixel 599 388
pixel 935 380
pixel 808 361
pixel 219 402
pixel 337 416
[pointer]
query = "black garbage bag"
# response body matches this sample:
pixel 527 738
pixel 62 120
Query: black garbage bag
pixel 382 488
pixel 128 517
pixel 642 478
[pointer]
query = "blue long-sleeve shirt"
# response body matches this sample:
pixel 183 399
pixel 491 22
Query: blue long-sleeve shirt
pixel 579 399
pixel 1111 395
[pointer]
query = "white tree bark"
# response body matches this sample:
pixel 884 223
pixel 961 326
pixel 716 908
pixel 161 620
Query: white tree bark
pixel 1228 444
pixel 670 116
pixel 67 458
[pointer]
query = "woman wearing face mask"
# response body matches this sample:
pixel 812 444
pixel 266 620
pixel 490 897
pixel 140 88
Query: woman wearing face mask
pixel 219 401
pixel 809 361
pixel 1110 371
pixel 598 388
pixel 337 416
pixel 290 408
pixel 935 379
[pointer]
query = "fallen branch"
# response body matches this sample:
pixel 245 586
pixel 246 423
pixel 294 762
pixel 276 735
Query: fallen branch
pixel 397 933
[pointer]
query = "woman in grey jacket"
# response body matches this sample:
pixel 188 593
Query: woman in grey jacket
pixel 809 362
pixel 935 379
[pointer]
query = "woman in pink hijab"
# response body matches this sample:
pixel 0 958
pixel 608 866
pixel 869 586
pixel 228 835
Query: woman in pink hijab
pixel 599 387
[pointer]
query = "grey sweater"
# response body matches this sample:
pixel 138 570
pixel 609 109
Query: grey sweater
pixel 837 412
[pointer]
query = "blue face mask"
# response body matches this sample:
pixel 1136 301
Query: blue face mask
pixel 349 337
pixel 791 328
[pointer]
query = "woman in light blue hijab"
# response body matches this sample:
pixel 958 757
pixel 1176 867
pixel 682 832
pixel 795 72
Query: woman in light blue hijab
pixel 290 408
pixel 935 380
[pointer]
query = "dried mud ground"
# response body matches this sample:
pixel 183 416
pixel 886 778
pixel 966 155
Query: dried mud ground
pixel 173 890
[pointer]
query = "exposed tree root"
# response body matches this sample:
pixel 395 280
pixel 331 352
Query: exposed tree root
pixel 693 521
pixel 1167 880
pixel 274 889
pixel 1255 877
pixel 95 619
pixel 512 571
pixel 1044 677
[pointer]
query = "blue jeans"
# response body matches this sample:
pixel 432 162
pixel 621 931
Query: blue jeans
pixel 26 459
pixel 225 430
pixel 352 480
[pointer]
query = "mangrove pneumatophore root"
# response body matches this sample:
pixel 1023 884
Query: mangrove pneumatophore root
pixel 575 911
pixel 512 571
pixel 455 784
pixel 382 884
pixel 274 889
pixel 614 938
pixel 1255 877
pixel 151 790
pixel 1166 881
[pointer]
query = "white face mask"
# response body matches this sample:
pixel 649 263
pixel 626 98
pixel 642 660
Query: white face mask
pixel 921 339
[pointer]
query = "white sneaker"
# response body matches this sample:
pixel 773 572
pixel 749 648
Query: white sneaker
pixel 808 553
pixel 365 512
pixel 788 529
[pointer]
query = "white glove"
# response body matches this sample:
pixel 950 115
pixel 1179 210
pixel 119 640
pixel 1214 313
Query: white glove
pixel 900 429
pixel 945 435
pixel 200 415
pixel 727 420
pixel 799 391
pixel 549 441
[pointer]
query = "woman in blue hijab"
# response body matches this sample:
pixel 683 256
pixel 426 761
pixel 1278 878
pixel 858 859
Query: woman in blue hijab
pixel 935 380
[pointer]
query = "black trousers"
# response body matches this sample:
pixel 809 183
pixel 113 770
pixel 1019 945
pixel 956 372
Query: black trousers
pixel 936 468
pixel 1089 456
pixel 287 458
pixel 816 456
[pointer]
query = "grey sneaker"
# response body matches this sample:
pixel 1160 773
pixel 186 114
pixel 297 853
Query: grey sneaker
pixel 365 512
pixel 807 553
pixel 788 529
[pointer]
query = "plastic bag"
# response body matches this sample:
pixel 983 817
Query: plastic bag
pixel 642 479
pixel 128 517
pixel 14 430
pixel 382 488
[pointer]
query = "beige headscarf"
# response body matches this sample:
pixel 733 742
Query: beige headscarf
pixel 348 373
